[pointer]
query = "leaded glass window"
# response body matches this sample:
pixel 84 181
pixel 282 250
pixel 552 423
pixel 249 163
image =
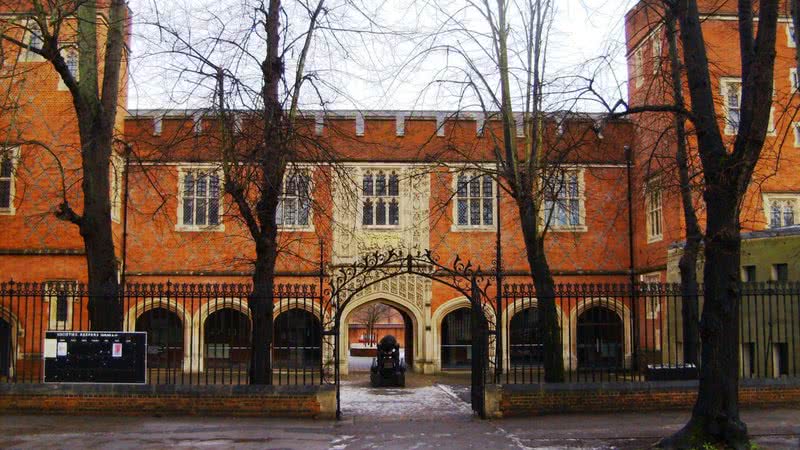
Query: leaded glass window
pixel 381 199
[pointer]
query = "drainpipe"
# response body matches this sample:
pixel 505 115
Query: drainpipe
pixel 629 165
pixel 128 151
pixel 631 261
pixel 498 327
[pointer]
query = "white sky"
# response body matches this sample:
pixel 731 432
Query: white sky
pixel 371 71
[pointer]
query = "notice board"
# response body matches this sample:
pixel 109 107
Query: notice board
pixel 95 357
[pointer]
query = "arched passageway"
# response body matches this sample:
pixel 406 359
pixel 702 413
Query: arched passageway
pixel 456 343
pixel 525 344
pixel 227 339
pixel 372 321
pixel 165 345
pixel 600 335
pixel 297 340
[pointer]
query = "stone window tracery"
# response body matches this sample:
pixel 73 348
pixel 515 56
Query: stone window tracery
pixel 381 199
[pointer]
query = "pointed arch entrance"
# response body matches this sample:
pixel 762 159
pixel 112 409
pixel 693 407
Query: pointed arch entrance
pixel 348 283
pixel 413 320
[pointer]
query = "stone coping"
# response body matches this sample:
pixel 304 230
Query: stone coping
pixel 681 385
pixel 187 390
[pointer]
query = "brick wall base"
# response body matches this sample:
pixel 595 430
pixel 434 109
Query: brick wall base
pixel 254 401
pixel 529 400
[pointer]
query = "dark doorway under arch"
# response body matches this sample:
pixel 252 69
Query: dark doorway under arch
pixel 525 344
pixel 456 346
pixel 164 338
pixel 6 349
pixel 599 341
pixel 227 339
pixel 297 341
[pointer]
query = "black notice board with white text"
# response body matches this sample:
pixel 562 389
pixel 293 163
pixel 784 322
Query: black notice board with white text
pixel 95 357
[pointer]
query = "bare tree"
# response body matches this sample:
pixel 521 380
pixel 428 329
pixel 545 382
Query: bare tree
pixel 727 174
pixel 370 316
pixel 47 29
pixel 251 67
pixel 503 49
pixel 694 235
pixel 726 168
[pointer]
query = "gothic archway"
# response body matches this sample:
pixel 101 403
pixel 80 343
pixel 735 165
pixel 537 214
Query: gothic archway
pixel 349 281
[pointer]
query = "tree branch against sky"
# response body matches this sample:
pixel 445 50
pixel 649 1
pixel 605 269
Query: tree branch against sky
pixel 251 64
pixel 95 92
pixel 375 72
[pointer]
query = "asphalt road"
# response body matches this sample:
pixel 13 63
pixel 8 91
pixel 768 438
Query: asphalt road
pixel 428 414
pixel 775 429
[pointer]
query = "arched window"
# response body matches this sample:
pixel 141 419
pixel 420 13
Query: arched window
pixel 164 338
pixel 227 339
pixel 457 339
pixel 525 343
pixel 297 343
pixel 599 340
pixel 6 351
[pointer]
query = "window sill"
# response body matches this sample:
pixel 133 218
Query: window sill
pixel 380 227
pixel 8 211
pixel 475 228
pixel 654 239
pixel 296 229
pixel 200 228
pixel 33 58
pixel 569 228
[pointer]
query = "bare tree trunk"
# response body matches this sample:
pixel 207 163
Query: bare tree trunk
pixel 105 309
pixel 545 289
pixel 95 104
pixel 727 175
pixel 261 307
pixel 688 262
pixel 716 413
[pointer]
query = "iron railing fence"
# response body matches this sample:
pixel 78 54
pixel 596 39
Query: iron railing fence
pixel 196 333
pixel 635 332
pixel 201 333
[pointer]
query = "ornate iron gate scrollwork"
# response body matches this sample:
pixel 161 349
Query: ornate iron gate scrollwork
pixel 347 281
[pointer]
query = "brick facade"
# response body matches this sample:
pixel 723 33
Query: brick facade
pixel 35 246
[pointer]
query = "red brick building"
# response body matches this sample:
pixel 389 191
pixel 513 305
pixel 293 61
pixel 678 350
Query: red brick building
pixel 408 180
pixel 773 200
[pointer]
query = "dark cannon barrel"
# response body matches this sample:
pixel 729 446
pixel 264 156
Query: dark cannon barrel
pixel 387 368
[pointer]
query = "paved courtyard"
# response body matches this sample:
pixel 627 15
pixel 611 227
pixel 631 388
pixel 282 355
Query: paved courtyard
pixel 431 412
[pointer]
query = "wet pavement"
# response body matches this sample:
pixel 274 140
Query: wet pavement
pixel 431 412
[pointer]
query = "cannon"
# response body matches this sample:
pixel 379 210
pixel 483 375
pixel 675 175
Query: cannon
pixel 387 368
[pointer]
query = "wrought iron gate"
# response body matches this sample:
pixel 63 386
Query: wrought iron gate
pixel 347 281
pixel 480 351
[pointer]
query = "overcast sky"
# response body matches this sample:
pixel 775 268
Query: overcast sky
pixel 372 72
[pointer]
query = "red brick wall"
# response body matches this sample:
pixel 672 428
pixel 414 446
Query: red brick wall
pixel 302 402
pixel 654 150
pixel 522 400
